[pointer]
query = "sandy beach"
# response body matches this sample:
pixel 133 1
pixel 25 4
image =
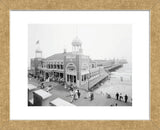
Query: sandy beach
pixel 120 81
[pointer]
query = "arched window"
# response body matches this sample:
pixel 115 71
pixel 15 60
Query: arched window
pixel 71 67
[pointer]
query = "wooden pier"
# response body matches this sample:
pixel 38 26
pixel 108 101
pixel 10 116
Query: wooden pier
pixel 113 68
pixel 92 83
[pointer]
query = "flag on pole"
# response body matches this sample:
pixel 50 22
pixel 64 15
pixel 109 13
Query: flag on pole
pixel 37 42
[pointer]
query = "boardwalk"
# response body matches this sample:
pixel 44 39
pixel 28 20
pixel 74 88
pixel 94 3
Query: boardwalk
pixel 99 99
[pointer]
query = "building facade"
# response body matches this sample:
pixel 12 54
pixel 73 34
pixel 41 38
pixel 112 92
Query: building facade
pixel 70 67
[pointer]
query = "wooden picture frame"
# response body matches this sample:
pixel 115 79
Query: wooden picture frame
pixel 152 5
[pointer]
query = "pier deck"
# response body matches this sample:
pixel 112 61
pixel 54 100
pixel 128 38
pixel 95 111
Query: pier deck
pixel 114 67
pixel 93 82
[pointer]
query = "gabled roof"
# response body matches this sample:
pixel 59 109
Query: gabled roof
pixel 59 56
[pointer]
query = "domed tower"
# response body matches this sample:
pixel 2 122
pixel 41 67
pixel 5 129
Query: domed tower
pixel 77 46
pixel 38 52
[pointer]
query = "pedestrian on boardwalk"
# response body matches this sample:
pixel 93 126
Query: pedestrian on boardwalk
pixel 120 98
pixel 89 94
pixel 72 96
pixel 117 96
pixel 91 97
pixel 70 88
pixel 78 93
pixel 42 85
pixel 126 98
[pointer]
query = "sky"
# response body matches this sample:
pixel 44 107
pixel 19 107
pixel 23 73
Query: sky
pixel 99 41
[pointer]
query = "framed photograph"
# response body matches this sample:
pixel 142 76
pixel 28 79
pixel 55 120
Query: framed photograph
pixel 68 65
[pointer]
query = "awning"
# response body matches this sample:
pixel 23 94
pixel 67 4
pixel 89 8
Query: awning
pixel 60 102
pixel 42 93
pixel 84 72
pixel 31 87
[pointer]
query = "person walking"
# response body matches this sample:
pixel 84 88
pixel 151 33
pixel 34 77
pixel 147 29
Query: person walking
pixel 126 98
pixel 91 97
pixel 78 93
pixel 70 88
pixel 120 98
pixel 117 95
pixel 89 94
pixel 72 96
pixel 42 85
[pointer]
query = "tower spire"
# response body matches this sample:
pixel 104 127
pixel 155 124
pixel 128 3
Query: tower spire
pixel 76 45
pixel 38 52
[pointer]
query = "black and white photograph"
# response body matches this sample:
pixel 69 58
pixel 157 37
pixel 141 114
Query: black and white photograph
pixel 80 65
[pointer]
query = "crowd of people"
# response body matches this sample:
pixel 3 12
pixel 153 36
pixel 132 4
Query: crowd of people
pixel 74 93
pixel 120 97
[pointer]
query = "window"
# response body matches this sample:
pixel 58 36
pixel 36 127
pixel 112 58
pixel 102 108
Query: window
pixel 67 77
pixel 74 79
pixel 71 78
pixel 54 66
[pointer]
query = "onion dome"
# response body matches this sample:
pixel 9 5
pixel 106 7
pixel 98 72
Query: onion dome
pixel 76 42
